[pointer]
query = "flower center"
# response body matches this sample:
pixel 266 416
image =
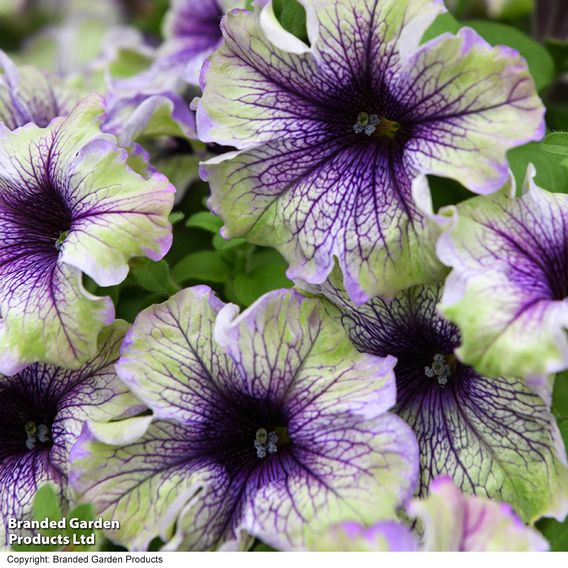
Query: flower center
pixel 442 368
pixel 376 126
pixel 36 434
pixel 266 442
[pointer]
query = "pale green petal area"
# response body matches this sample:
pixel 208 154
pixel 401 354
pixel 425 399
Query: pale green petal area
pixel 143 485
pixel 135 119
pixel 475 85
pixel 351 470
pixel 94 393
pixel 506 289
pixel 381 259
pixel 493 435
pixel 453 522
pixel 49 304
pixel 109 214
pixel 170 360
pixel 285 346
pixel 20 477
pixel 117 214
pixel 10 8
pixel 85 50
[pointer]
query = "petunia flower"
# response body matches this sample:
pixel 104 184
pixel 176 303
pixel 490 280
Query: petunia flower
pixel 332 135
pixel 267 423
pixel 454 522
pixel 43 411
pixel 28 94
pixel 69 205
pixel 192 33
pixel 152 117
pixel 493 436
pixel 508 288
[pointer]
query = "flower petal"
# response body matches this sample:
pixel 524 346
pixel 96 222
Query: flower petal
pixel 30 95
pixel 216 377
pixel 507 289
pixel 459 523
pixel 387 536
pixel 145 484
pixel 184 369
pixel 69 201
pixel 68 399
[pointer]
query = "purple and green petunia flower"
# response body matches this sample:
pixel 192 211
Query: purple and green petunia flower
pixel 492 435
pixel 69 206
pixel 43 411
pixel 449 522
pixel 268 423
pixel 455 522
pixel 508 287
pixel 28 94
pixel 331 135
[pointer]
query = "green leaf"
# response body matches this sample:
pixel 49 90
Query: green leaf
pixel 206 221
pixel 219 243
pixel 153 276
pixel 551 174
pixel 176 217
pixel 540 62
pixel 83 512
pixel 556 144
pixel 447 192
pixel 205 265
pixel 264 256
pixel 556 533
pixel 442 24
pixel 46 504
pixel 560 396
pixel 249 287
pixel 292 17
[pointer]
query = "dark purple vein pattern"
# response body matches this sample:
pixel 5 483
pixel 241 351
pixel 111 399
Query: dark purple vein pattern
pixel 267 422
pixel 331 139
pixel 492 435
pixel 69 205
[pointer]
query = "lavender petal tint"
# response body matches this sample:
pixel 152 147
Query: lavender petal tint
pixel 454 522
pixel 311 179
pixel 268 423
